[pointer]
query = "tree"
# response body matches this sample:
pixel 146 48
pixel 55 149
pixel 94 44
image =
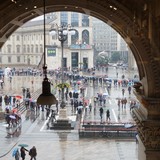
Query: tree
pixel 115 57
pixel 102 60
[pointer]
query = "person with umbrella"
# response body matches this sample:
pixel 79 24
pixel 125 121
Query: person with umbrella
pixel 23 154
pixel 16 153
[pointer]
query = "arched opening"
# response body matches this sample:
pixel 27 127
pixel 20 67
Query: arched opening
pixel 117 15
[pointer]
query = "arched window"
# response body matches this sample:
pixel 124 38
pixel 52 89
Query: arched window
pixel 75 37
pixel 85 36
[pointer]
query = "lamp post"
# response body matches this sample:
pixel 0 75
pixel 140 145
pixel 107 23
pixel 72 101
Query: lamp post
pixel 62 32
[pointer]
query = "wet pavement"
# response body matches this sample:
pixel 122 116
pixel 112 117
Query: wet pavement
pixel 66 144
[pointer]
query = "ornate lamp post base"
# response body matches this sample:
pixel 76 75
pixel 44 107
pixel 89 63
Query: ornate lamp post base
pixel 62 122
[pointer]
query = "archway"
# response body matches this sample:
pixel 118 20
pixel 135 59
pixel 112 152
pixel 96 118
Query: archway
pixel 123 20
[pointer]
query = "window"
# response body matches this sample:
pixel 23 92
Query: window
pixel 85 37
pixel 9 59
pixel 28 49
pixel 32 48
pixel 75 37
pixel 24 48
pixel 74 19
pixel 18 59
pixel 18 48
pixel 36 48
pixel 64 18
pixel 17 37
pixel 41 48
pixel 85 20
pixel 9 48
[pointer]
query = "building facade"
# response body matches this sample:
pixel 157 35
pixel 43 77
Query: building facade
pixel 25 47
pixel 106 39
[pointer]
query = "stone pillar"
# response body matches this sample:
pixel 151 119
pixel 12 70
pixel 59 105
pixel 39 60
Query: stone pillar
pixel 147 117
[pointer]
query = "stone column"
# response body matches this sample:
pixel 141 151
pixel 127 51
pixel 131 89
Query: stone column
pixel 147 117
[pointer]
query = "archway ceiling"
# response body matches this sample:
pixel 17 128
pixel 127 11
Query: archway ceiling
pixel 14 13
pixel 119 14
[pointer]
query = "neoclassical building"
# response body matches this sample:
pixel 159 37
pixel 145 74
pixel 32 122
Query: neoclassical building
pixel 25 46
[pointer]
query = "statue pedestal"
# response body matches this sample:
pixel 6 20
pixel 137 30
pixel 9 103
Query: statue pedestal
pixel 62 122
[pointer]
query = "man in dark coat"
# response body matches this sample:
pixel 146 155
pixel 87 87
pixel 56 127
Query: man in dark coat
pixel 33 153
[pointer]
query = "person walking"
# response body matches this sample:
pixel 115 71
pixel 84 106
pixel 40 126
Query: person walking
pixel 23 154
pixel 119 103
pixel 16 154
pixel 125 102
pixel 123 91
pixel 108 115
pixel 33 153
pixel 101 113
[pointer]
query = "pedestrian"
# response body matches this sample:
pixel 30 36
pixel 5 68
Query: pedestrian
pixel 23 154
pixel 33 153
pixel 47 112
pixel 16 154
pixel 90 107
pixel 101 112
pixel 108 115
pixel 53 116
pixel 122 102
pixel 125 102
pixel 129 90
pixel 119 103
pixel 123 91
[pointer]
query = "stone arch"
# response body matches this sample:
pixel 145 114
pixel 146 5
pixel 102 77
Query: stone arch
pixel 116 14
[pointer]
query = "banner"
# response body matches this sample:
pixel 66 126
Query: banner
pixel 51 52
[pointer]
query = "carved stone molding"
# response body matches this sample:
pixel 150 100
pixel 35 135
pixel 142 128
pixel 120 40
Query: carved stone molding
pixel 152 105
pixel 148 130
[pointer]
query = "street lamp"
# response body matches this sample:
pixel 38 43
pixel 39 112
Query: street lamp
pixel 62 32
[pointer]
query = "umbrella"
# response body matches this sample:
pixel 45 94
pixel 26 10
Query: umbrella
pixel 78 82
pixel 127 125
pixel 79 107
pixel 18 97
pixel 23 145
pixel 14 110
pixel 14 152
pixel 12 117
pixel 105 94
